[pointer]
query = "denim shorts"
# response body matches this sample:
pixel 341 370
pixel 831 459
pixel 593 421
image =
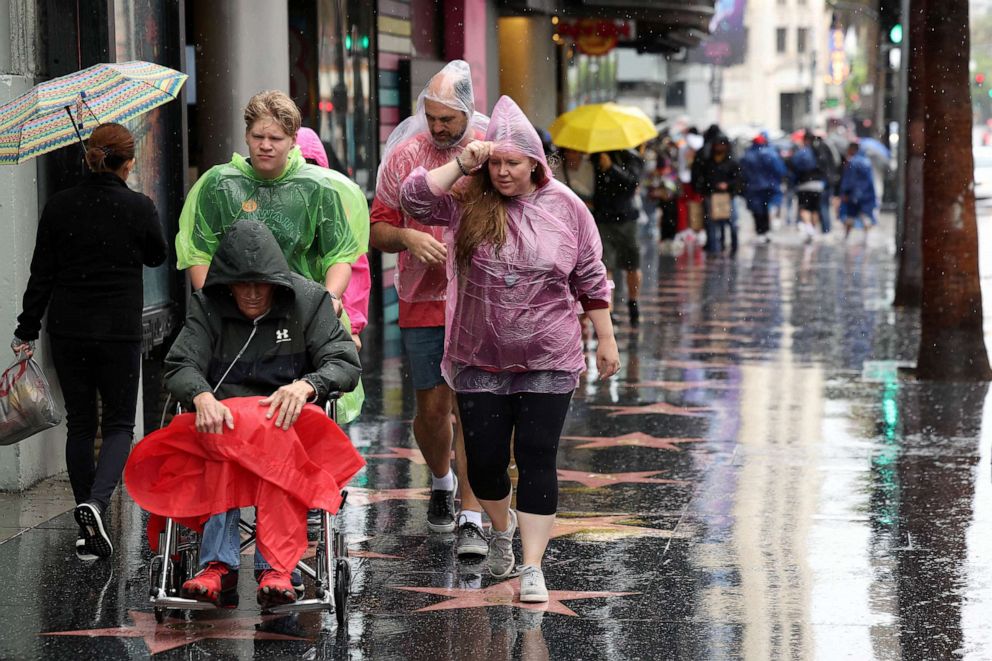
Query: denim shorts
pixel 424 348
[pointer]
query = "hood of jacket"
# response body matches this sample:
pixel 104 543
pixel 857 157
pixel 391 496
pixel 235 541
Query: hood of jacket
pixel 294 163
pixel 247 253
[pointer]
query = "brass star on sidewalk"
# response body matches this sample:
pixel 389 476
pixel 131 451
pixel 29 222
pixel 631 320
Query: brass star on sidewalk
pixel 605 527
pixel 636 439
pixel 505 594
pixel 597 480
pixel 175 632
pixel 662 408
pixel 360 497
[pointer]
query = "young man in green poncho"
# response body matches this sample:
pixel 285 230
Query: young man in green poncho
pixel 292 198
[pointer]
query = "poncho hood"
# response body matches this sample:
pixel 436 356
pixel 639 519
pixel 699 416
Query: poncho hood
pixel 510 130
pixel 311 147
pixel 452 87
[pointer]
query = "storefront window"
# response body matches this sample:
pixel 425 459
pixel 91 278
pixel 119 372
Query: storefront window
pixel 344 111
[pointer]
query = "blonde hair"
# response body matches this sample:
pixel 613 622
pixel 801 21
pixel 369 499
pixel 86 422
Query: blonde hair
pixel 278 106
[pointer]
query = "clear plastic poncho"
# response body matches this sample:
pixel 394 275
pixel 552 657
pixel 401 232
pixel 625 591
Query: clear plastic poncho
pixel 411 144
pixel 510 317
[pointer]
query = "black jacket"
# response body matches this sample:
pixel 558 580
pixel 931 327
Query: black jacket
pixel 299 338
pixel 93 240
pixel 708 174
pixel 613 199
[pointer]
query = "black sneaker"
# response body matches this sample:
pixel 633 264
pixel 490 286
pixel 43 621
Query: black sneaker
pixel 635 313
pixel 471 541
pixel 83 552
pixel 89 516
pixel 441 510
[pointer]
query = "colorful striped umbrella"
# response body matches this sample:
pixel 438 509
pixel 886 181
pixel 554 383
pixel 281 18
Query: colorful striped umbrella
pixel 65 109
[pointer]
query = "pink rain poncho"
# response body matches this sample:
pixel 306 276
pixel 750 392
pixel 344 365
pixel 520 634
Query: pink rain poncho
pixel 356 208
pixel 411 144
pixel 510 317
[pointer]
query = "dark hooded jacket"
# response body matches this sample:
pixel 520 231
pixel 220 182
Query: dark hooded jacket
pixel 298 338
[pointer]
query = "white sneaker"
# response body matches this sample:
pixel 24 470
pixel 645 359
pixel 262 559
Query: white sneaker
pixel 501 556
pixel 532 588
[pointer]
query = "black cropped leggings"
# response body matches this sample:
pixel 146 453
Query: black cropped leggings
pixel 534 421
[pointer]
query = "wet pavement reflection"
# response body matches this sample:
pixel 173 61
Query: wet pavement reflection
pixel 760 481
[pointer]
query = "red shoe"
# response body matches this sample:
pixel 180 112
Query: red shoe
pixel 216 583
pixel 275 588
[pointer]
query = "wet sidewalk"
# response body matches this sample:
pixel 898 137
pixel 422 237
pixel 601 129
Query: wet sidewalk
pixel 759 482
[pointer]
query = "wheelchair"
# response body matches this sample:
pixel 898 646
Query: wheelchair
pixel 178 561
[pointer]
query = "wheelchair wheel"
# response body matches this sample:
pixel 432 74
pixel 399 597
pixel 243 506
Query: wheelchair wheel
pixel 342 588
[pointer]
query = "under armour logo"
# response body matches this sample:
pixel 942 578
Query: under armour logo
pixel 282 336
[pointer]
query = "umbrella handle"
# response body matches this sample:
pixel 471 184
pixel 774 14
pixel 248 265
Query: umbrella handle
pixel 76 129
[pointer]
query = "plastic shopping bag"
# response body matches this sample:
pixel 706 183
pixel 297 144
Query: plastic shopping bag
pixel 26 404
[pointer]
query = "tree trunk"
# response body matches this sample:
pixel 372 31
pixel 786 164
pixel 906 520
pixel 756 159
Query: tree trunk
pixel 909 283
pixel 952 346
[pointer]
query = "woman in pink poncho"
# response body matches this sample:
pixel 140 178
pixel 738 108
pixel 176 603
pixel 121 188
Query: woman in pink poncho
pixel 523 248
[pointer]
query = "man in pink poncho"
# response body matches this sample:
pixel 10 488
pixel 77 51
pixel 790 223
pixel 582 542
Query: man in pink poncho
pixel 445 121
pixel 522 250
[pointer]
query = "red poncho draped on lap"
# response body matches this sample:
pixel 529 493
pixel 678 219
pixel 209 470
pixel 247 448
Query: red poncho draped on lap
pixel 178 472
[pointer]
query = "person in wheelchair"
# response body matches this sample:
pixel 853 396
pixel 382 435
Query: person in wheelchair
pixel 254 329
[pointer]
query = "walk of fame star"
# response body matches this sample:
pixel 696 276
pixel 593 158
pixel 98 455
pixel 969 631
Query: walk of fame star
pixel 636 439
pixel 505 594
pixel 605 527
pixel 175 632
pixel 359 497
pixel 597 480
pixel 661 408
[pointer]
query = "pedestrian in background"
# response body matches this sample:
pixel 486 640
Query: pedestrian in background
pixel 87 269
pixel 618 175
pixel 857 192
pixel 763 172
pixel 663 187
pixel 525 249
pixel 356 207
pixel 808 179
pixel 445 121
pixel 717 177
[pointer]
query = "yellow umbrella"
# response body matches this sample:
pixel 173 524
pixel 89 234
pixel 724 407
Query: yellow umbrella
pixel 602 127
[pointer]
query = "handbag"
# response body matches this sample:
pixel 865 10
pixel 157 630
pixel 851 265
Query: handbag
pixel 720 206
pixel 26 403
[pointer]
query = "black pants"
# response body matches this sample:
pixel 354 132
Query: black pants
pixel 761 222
pixel 669 221
pixel 85 368
pixel 534 421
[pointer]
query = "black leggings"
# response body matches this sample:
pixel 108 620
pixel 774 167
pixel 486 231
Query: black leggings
pixel 86 367
pixel 534 421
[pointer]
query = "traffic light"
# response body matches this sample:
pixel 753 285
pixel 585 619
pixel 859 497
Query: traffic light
pixel 979 79
pixel 895 34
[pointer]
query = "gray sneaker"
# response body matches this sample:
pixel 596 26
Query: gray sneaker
pixel 471 541
pixel 501 560
pixel 532 588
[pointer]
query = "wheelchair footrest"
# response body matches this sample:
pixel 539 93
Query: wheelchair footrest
pixel 182 604
pixel 302 606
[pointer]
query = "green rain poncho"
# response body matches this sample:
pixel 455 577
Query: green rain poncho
pixel 302 209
